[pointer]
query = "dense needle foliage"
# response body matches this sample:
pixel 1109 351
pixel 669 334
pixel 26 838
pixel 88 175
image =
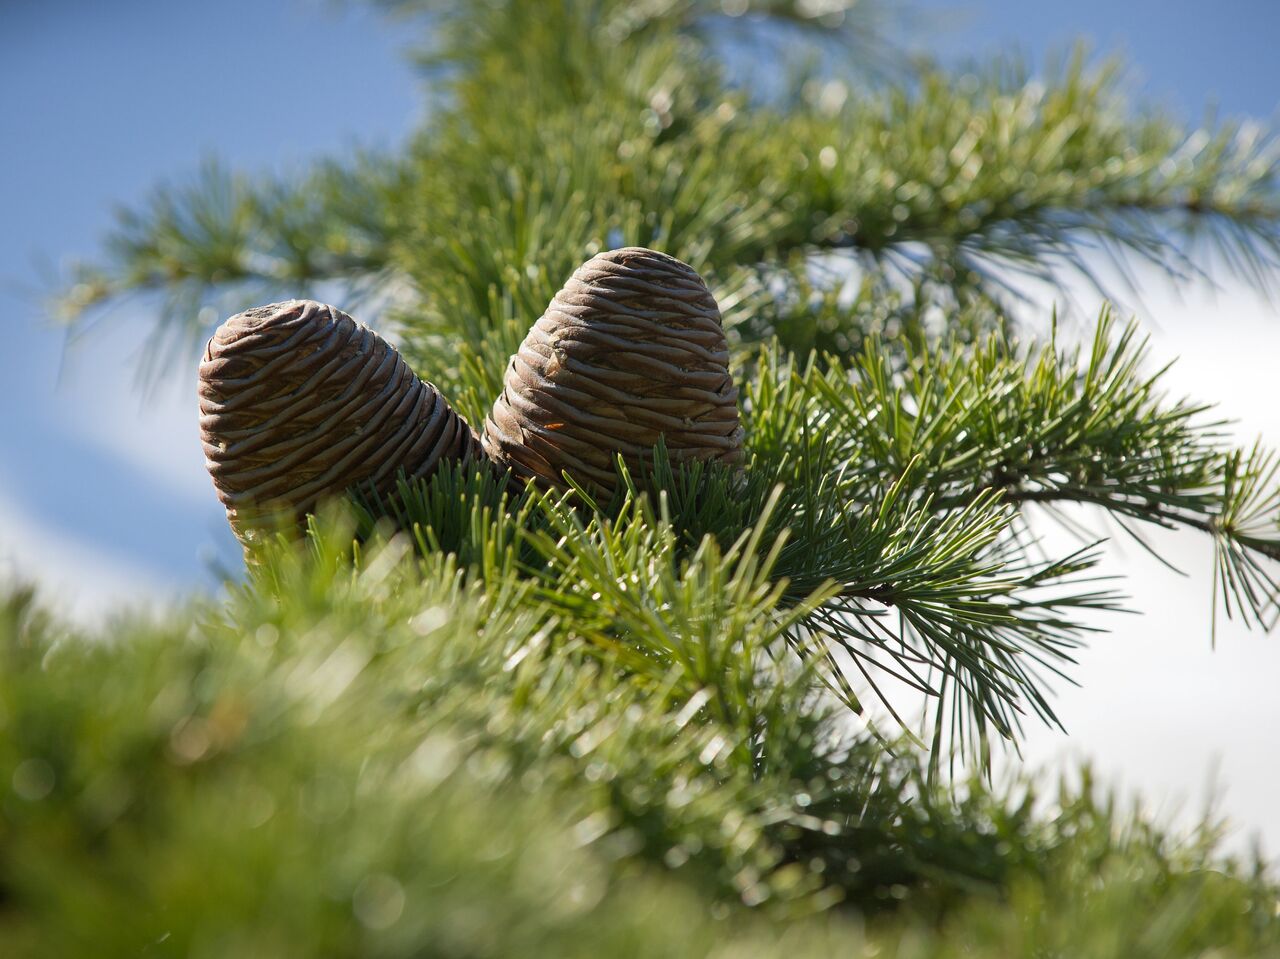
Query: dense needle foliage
pixel 471 720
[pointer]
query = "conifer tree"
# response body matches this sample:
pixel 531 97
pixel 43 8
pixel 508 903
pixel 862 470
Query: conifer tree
pixel 483 719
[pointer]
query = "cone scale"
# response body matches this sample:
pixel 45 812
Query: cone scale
pixel 630 352
pixel 299 402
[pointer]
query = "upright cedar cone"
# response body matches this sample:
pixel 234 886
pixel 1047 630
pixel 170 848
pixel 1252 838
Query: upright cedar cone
pixel 299 402
pixel 631 350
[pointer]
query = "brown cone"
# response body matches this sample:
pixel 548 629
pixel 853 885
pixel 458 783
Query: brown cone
pixel 298 402
pixel 631 350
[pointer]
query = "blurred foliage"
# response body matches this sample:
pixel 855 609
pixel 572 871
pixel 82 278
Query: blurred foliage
pixel 470 720
pixel 369 756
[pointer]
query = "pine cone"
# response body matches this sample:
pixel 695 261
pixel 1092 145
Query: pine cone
pixel 299 402
pixel 630 350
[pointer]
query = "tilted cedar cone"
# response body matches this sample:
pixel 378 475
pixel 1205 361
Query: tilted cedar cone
pixel 631 350
pixel 298 402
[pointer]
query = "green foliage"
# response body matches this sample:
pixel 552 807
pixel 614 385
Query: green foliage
pixel 566 127
pixel 376 758
pixel 885 501
pixel 209 245
pixel 474 720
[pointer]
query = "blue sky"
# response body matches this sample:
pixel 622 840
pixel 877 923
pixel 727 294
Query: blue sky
pixel 101 101
pixel 1186 54
pixel 103 494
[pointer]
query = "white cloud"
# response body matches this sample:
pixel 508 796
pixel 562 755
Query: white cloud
pixel 75 579
pixel 101 401
pixel 1163 714
pixel 1160 713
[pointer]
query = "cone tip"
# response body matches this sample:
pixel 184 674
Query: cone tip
pixel 270 321
pixel 628 255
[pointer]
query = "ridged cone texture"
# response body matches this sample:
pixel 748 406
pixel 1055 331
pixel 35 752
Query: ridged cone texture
pixel 299 402
pixel 630 352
